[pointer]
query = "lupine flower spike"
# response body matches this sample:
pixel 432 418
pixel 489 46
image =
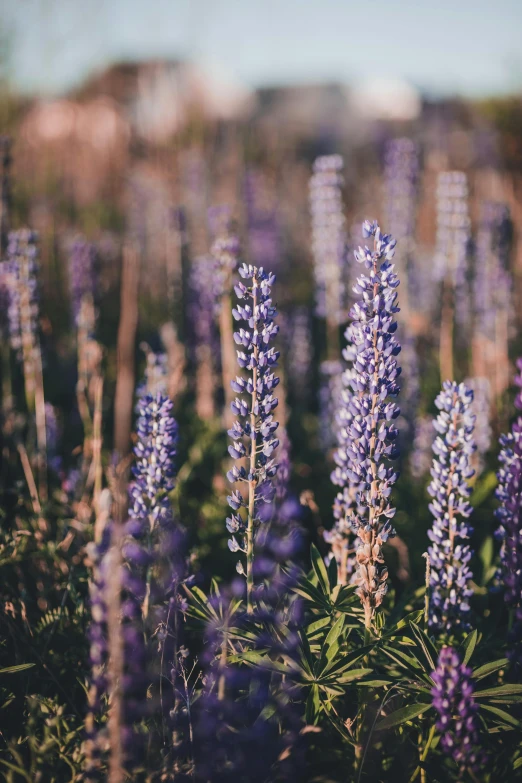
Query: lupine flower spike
pixel 371 442
pixel 509 514
pixel 458 723
pixel 253 431
pixel 451 470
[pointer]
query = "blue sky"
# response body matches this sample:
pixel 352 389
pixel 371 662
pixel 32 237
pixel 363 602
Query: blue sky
pixel 469 47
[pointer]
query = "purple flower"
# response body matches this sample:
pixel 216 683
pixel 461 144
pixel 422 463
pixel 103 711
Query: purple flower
pixel 5 190
pixel 155 453
pixel 401 179
pixel 156 374
pixel 202 306
pixel 330 389
pixel 299 351
pixel 492 289
pixel 509 515
pixel 22 275
pixel 481 407
pixel 224 251
pixel 328 237
pixel 253 432
pixel 451 470
pixel 420 456
pixel 83 282
pixel 264 240
pixel 370 439
pixel 453 239
pixel 458 723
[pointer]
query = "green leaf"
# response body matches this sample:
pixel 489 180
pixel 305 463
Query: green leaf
pixel 335 631
pixel 510 692
pixel 354 674
pixel 402 715
pixel 405 661
pixel 263 661
pixel 403 625
pixel 20 668
pixel 504 716
pixel 313 705
pixel 489 668
pixel 426 646
pixel 518 763
pixel 320 569
pixel 374 683
pixel 483 488
pixel 318 625
pixel 336 667
pixel 332 573
pixel 468 645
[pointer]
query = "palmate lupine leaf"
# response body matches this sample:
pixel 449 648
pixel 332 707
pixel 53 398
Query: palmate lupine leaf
pixel 402 715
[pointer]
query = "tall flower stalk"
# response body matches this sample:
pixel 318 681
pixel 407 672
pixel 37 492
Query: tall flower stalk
pixel 451 260
pixel 22 254
pixel 371 442
pixel 401 183
pixel 451 470
pixel 224 252
pixel 253 431
pixel 509 515
pixel 329 245
pixel 458 721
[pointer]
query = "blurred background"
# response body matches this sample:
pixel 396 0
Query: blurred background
pixel 124 122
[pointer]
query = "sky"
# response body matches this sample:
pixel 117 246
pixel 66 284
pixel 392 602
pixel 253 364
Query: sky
pixel 466 47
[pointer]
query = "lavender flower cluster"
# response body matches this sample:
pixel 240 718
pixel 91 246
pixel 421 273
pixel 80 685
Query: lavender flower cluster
pixel 253 431
pixel 371 436
pixel 458 723
pixel 451 471
pixel 83 282
pixel 154 470
pixel 22 280
pixel 453 239
pixel 492 281
pixel 328 236
pixel 509 515
pixel 262 222
pixel 401 174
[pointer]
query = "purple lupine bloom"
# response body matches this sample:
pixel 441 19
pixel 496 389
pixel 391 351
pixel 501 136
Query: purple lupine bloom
pixel 299 351
pixel 340 537
pixel 264 236
pixel 372 349
pixel 509 515
pixel 83 281
pixel 401 180
pixel 328 237
pixel 492 289
pixel 5 190
pixel 453 239
pixel 22 270
pixel 330 389
pixel 5 299
pixel 451 471
pixel 156 374
pixel 420 455
pixel 202 305
pixel 236 736
pixel 154 470
pixel 284 469
pixel 224 250
pixel 411 388
pixel 253 431
pixel 458 723
pixel 481 407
